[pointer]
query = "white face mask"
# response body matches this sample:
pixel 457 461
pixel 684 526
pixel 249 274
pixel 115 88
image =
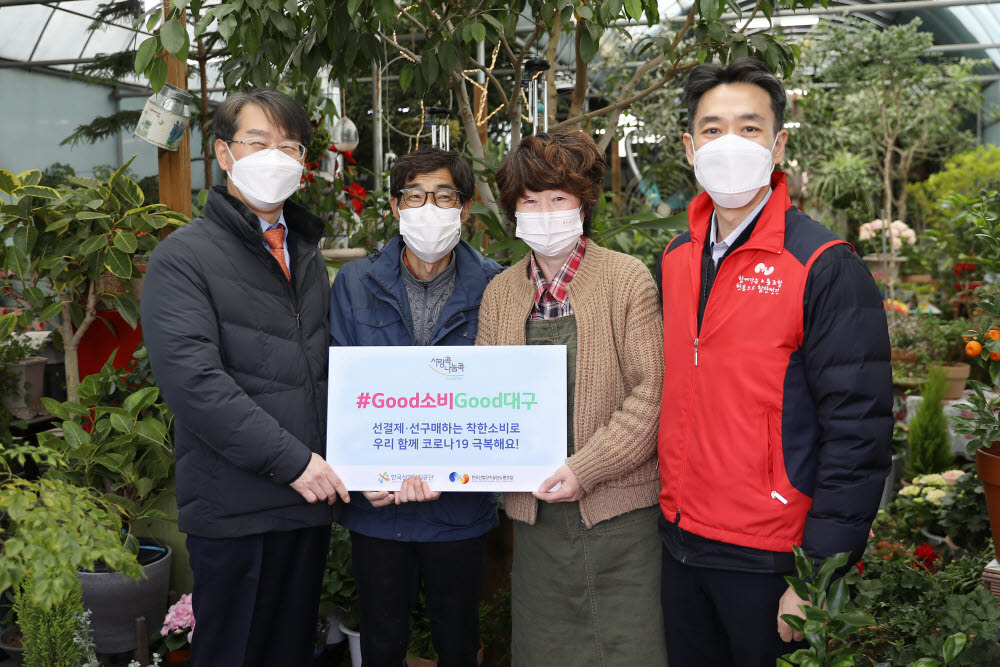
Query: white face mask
pixel 733 169
pixel 551 233
pixel 266 178
pixel 430 232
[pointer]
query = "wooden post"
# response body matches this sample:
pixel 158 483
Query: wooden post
pixel 175 166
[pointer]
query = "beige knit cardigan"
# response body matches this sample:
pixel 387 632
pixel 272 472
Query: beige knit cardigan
pixel 619 377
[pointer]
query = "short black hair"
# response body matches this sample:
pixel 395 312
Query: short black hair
pixel 704 78
pixel 426 159
pixel 279 108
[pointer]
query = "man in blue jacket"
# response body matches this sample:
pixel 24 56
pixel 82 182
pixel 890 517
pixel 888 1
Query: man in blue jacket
pixel 423 288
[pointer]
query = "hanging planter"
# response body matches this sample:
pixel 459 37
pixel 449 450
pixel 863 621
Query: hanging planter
pixel 165 117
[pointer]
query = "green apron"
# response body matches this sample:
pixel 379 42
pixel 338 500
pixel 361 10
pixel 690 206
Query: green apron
pixel 584 596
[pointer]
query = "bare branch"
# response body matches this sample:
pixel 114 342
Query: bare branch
pixel 746 25
pixel 399 47
pixel 411 18
pixel 622 104
pixel 89 313
pixel 490 76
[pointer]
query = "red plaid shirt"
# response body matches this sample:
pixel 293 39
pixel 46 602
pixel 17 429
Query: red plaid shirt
pixel 551 300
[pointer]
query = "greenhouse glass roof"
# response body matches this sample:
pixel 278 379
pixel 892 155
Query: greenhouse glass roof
pixel 54 35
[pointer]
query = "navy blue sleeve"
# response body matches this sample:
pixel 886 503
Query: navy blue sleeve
pixel 846 352
pixel 658 274
pixel 342 331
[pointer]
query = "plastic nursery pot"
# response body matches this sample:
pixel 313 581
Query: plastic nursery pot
pixel 988 469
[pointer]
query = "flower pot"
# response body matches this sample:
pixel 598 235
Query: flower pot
pixel 334 635
pixel 889 490
pixel 181 656
pixel 884 264
pixel 903 356
pixel 116 601
pixel 955 375
pixel 988 469
pixel 11 645
pixel 354 642
pixel 30 370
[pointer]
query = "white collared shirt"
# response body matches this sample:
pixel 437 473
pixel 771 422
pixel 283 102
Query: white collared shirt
pixel 719 248
pixel 266 226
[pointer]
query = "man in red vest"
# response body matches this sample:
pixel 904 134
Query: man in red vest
pixel 777 401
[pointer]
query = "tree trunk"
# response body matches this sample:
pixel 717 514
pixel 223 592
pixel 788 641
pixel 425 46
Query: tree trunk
pixel 206 143
pixel 579 97
pixel 468 117
pixel 552 98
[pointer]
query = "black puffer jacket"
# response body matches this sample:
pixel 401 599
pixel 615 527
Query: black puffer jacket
pixel 240 355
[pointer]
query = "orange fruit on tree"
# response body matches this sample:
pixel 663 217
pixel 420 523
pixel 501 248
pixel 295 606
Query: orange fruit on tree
pixel 994 356
pixel 994 334
pixel 973 348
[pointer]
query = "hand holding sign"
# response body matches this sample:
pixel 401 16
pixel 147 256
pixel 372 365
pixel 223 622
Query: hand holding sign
pixel 561 487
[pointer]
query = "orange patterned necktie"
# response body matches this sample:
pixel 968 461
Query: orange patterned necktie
pixel 276 239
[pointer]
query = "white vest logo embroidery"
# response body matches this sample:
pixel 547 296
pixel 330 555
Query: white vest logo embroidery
pixel 763 268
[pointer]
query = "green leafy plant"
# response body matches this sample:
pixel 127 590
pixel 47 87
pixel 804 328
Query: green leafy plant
pixel 50 529
pixel 984 404
pixel 121 449
pixel 828 623
pixel 339 594
pixel 59 244
pixel 919 602
pixel 50 634
pixel 929 440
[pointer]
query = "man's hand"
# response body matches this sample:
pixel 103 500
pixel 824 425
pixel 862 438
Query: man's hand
pixel 414 489
pixel 568 492
pixel 789 604
pixel 319 482
pixel 379 498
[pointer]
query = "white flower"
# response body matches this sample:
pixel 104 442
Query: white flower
pixel 935 495
pixel 912 490
pixel 952 476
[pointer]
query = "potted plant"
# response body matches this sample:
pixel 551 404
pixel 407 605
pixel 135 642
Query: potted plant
pixel 882 244
pixel 61 243
pixel 338 600
pixel 22 374
pixel 117 442
pixel 178 626
pixel 929 440
pixel 981 416
pixel 50 529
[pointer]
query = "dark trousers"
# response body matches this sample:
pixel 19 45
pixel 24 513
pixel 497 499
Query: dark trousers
pixel 388 575
pixel 256 598
pixel 721 618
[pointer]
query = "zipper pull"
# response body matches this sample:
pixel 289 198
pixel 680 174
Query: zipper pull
pixel 298 320
pixel 779 497
pixel 695 351
pixel 678 519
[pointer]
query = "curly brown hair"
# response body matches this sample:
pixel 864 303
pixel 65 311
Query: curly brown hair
pixel 568 161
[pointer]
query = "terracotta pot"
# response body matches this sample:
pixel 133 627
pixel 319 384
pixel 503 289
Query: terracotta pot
pixel 955 375
pixel 904 356
pixel 988 469
pixel 181 656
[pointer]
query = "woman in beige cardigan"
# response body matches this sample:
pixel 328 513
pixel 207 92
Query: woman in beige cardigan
pixel 585 581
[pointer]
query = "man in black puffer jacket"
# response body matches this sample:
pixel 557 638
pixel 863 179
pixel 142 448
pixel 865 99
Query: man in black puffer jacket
pixel 235 318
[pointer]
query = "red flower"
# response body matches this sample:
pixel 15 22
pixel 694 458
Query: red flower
pixel 926 558
pixel 349 157
pixel 357 195
pixel 861 566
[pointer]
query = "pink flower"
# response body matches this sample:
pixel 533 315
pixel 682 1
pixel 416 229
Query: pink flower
pixel 180 617
pixel 951 476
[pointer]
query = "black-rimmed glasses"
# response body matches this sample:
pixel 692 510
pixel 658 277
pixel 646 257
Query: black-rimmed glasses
pixel 443 198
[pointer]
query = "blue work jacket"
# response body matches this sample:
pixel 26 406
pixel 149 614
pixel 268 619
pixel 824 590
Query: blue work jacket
pixel 368 306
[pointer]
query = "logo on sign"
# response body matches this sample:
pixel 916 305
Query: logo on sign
pixel 383 477
pixel 461 479
pixel 445 366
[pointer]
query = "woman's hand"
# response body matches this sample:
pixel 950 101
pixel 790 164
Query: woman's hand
pixel 569 487
pixel 414 489
pixel 379 498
